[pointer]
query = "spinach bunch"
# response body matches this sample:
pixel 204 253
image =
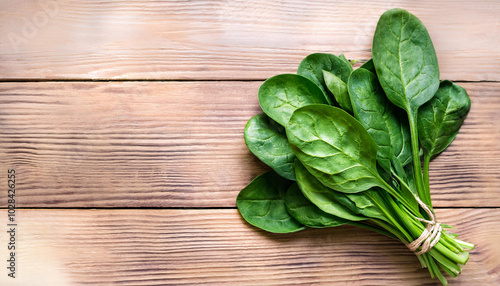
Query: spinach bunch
pixel 345 145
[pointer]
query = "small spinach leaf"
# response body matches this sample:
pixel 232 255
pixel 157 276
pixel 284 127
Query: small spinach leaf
pixel 400 137
pixel 364 203
pixel 368 66
pixel 262 204
pixel 339 90
pixel 280 95
pixel 313 65
pixel 342 57
pixel 440 119
pixel 307 213
pixel 323 197
pixel 267 140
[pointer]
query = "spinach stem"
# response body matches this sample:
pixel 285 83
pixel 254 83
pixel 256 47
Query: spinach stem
pixel 419 180
pixel 385 232
pixel 396 194
pixel 464 244
pixel 427 160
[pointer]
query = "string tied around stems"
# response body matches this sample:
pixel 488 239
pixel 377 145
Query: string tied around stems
pixel 431 234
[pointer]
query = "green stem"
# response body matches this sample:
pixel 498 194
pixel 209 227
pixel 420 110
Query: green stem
pixel 390 229
pixel 396 194
pixel 384 208
pixel 438 273
pixel 419 180
pixel 373 228
pixel 464 244
pixel 445 269
pixel 427 160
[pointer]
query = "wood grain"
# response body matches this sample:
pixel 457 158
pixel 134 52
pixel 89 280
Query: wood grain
pixel 215 247
pixel 64 39
pixel 180 144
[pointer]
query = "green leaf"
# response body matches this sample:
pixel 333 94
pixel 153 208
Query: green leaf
pixel 408 71
pixel 364 205
pixel 313 65
pixel 368 66
pixel 400 138
pixel 262 204
pixel 342 57
pixel 323 197
pixel 307 213
pixel 280 95
pixel 405 60
pixel 372 110
pixel 267 140
pixel 335 148
pixel 339 90
pixel 440 119
pixel 380 118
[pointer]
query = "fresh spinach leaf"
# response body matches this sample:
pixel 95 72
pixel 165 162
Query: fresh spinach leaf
pixel 408 71
pixel 364 203
pixel 334 147
pixel 440 119
pixel 313 66
pixel 307 213
pixel 323 197
pixel 400 137
pixel 339 90
pixel 353 207
pixel 262 204
pixel 380 118
pixel 373 110
pixel 405 60
pixel 342 57
pixel 368 66
pixel 267 140
pixel 280 95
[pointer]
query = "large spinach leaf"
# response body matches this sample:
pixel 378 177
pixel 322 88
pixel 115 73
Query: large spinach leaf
pixel 262 204
pixel 405 59
pixel 334 147
pixel 372 110
pixel 408 71
pixel 266 139
pixel 380 118
pixel 280 95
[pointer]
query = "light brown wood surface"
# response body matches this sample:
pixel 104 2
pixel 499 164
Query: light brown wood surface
pixel 227 39
pixel 161 143
pixel 216 247
pixel 180 144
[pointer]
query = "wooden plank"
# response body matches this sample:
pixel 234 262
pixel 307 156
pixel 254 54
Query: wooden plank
pixel 180 144
pixel 216 247
pixel 226 39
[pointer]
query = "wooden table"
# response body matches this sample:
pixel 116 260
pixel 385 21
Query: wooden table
pixel 123 121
